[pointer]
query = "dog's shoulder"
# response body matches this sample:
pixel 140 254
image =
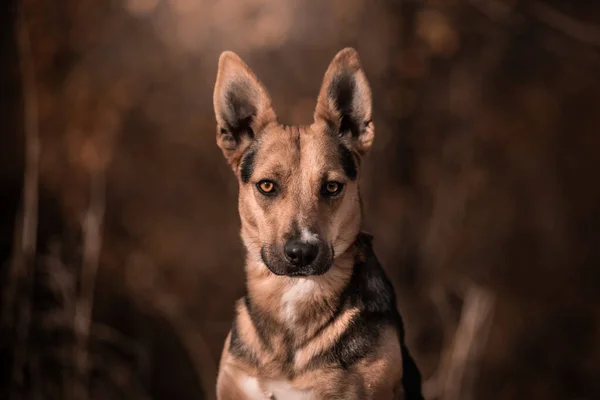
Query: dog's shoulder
pixel 378 296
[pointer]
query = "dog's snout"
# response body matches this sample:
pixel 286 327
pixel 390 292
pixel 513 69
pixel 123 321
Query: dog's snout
pixel 301 253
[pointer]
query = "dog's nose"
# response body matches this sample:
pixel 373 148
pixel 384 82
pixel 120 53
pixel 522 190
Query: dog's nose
pixel 300 253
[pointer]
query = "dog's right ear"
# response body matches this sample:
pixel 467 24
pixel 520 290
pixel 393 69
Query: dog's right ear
pixel 242 107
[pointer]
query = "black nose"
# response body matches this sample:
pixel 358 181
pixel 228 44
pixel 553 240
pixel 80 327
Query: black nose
pixel 300 253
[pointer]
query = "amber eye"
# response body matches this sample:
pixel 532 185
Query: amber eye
pixel 331 188
pixel 266 187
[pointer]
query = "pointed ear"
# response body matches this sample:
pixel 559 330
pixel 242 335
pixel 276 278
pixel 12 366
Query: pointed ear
pixel 242 106
pixel 345 101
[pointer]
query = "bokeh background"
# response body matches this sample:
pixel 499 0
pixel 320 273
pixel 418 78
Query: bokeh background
pixel 119 242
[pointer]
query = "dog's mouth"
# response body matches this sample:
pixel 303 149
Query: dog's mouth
pixel 279 264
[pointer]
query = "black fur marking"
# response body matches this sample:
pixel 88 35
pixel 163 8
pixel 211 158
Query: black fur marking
pixel 294 232
pixel 263 325
pixel 239 111
pixel 294 131
pixel 411 376
pixel 342 90
pixel 238 348
pixel 247 165
pixel 348 163
pixel 330 321
pixel 266 327
pixel 297 140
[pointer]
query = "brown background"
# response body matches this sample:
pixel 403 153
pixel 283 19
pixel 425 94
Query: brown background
pixel 482 190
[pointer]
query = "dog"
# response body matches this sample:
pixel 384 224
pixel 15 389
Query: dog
pixel 319 317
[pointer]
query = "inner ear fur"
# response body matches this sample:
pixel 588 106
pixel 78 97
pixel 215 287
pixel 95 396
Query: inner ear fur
pixel 242 106
pixel 345 102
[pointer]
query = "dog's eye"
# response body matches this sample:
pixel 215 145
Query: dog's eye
pixel 266 187
pixel 331 188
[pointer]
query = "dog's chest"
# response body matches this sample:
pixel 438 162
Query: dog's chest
pixel 273 389
pixel 281 390
pixel 296 293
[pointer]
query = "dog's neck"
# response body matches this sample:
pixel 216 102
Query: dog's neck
pixel 301 303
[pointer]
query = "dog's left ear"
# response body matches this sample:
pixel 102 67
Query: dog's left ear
pixel 345 101
pixel 242 106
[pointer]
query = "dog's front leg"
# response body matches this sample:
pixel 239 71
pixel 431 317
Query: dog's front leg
pixel 236 385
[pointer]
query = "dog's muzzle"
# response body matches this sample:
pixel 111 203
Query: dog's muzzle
pixel 298 258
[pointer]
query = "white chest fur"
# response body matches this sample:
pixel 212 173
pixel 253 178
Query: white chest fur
pixel 300 290
pixel 283 390
pixel 278 390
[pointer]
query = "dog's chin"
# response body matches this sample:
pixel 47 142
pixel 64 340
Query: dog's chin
pixel 308 270
pixel 280 267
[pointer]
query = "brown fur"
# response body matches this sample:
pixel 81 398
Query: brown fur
pixel 282 325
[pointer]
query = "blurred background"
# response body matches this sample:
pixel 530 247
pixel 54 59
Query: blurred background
pixel 119 235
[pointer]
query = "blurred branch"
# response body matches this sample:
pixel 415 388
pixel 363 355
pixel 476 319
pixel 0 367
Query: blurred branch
pixel 437 295
pixel 499 11
pixel 32 140
pixel 106 334
pixel 92 242
pixel 578 30
pixel 470 339
pixel 454 378
pixel 21 273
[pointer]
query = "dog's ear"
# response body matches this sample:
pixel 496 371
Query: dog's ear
pixel 242 106
pixel 345 101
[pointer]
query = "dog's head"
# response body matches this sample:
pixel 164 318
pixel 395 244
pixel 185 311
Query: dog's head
pixel 299 200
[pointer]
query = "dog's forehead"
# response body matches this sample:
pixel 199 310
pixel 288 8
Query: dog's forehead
pixel 286 149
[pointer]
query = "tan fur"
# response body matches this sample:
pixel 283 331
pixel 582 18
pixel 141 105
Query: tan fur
pixel 299 159
pixel 299 173
pixel 382 373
